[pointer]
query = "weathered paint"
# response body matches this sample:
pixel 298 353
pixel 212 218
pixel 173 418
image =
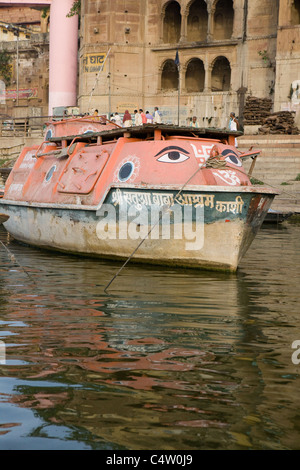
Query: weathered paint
pixel 227 234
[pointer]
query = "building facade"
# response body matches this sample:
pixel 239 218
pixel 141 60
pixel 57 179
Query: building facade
pixel 24 38
pixel 227 50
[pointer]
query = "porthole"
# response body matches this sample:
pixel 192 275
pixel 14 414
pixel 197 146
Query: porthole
pixel 126 171
pixel 48 135
pixel 50 173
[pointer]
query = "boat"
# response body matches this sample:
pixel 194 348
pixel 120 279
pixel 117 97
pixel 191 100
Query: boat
pixel 276 217
pixel 161 193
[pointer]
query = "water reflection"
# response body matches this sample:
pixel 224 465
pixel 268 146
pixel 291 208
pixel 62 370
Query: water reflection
pixel 167 359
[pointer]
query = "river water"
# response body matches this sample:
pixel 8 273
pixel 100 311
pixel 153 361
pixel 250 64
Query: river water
pixel 166 359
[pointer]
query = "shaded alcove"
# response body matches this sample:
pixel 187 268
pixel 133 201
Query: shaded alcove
pixel 223 19
pixel 169 76
pixel 172 23
pixel 221 75
pixel 195 76
pixel 197 21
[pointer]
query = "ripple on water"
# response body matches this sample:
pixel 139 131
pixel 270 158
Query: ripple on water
pixel 167 359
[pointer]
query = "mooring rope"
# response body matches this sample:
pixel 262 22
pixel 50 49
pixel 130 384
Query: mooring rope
pixel 163 210
pixel 14 260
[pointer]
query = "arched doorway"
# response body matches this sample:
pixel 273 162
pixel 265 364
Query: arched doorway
pixel 195 76
pixel 223 19
pixel 172 23
pixel 197 21
pixel 221 75
pixel 169 76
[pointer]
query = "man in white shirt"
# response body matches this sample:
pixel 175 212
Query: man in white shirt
pixel 233 125
pixel 157 116
pixel 118 119
pixel 138 118
pixel 195 122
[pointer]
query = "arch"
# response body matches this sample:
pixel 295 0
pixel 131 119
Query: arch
pixel 172 23
pixel 197 21
pixel 295 13
pixel 169 75
pixel 223 19
pixel 195 76
pixel 221 74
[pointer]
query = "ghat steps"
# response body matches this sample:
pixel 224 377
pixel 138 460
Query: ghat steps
pixel 278 165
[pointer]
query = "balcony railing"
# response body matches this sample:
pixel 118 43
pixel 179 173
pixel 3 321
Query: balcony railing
pixel 29 126
pixel 23 126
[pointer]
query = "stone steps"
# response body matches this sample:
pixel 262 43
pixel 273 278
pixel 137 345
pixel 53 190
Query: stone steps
pixel 11 147
pixel 279 162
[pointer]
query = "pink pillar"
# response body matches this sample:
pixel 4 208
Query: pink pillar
pixel 63 55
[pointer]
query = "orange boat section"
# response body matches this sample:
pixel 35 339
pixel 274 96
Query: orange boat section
pixel 80 170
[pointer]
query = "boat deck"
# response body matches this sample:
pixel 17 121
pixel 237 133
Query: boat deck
pixel 151 131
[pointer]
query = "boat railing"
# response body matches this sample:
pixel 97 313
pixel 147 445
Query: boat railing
pixel 59 151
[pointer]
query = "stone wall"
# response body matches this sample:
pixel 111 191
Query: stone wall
pixel 29 76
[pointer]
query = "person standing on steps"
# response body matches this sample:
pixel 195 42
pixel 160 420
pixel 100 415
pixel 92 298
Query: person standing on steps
pixel 157 116
pixel 234 125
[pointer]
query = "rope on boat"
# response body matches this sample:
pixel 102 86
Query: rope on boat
pixel 215 163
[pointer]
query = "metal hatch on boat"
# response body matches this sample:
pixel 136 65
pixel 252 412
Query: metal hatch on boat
pixel 82 171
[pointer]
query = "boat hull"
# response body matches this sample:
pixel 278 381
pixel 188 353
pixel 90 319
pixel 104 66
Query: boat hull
pixel 198 228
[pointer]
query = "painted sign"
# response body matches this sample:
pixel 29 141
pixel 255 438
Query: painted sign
pixel 140 198
pixel 93 62
pixel 129 105
pixel 23 93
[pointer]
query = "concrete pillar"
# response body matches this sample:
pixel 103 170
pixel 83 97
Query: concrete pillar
pixel 63 55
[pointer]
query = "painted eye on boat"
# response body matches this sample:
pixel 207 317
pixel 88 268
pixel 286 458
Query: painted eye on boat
pixel 172 155
pixel 231 157
pixel 234 160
